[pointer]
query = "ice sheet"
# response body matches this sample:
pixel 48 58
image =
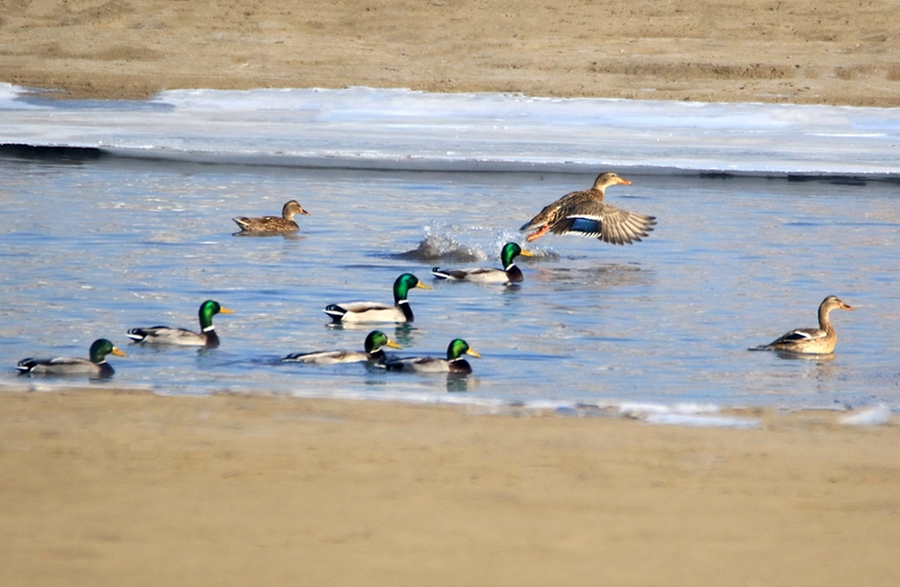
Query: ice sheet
pixel 403 129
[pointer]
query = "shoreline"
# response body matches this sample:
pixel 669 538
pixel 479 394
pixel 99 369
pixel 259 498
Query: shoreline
pixel 686 414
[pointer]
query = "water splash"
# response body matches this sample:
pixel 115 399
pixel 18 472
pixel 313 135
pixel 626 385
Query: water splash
pixel 455 244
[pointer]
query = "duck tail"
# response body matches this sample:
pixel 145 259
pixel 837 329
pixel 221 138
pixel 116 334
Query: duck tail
pixel 26 365
pixel 136 334
pixel 436 271
pixel 336 312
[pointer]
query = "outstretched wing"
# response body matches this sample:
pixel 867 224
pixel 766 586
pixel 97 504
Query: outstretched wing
pixel 604 222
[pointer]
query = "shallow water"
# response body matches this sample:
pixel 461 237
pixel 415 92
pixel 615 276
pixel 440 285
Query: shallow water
pixel 93 248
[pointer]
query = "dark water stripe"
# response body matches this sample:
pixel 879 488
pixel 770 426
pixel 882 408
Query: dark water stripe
pixel 77 154
pixel 54 154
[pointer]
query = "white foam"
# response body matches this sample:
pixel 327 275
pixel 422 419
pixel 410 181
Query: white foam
pixel 640 408
pixel 702 420
pixel 877 416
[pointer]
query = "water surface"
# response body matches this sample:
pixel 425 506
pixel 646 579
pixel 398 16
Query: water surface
pixel 93 247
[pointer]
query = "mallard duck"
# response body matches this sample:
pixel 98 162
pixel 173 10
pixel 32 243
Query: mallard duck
pixel 585 214
pixel 374 345
pixel 96 366
pixel 454 363
pixel 509 274
pixel 818 341
pixel 207 336
pixel 273 224
pixel 378 312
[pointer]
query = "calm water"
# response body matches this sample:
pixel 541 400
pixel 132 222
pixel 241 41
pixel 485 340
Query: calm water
pixel 90 249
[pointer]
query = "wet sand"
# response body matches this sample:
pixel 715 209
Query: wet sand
pixel 106 488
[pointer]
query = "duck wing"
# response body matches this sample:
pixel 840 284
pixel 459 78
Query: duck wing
pixel 592 219
pixel 552 212
pixel 61 366
pixel 265 224
pixel 800 335
pixel 327 357
pixel 481 274
pixel 418 364
pixel 167 335
pixel 794 339
pixel 365 312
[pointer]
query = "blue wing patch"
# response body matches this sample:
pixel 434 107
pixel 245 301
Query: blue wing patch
pixel 585 225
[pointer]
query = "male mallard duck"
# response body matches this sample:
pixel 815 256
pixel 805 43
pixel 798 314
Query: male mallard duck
pixel 374 345
pixel 273 224
pixel 509 274
pixel 585 214
pixel 454 363
pixel 95 367
pixel 818 341
pixel 207 336
pixel 378 312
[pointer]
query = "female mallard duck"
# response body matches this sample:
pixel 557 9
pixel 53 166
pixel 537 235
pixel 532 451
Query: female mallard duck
pixel 378 312
pixel 509 274
pixel 818 341
pixel 454 363
pixel 585 214
pixel 207 336
pixel 273 224
pixel 374 345
pixel 95 367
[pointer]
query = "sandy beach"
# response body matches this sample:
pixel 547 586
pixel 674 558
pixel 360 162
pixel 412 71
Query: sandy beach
pixel 107 487
pixel 799 51
pixel 104 488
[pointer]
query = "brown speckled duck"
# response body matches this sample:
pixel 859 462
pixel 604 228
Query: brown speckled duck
pixel 817 341
pixel 273 224
pixel 584 213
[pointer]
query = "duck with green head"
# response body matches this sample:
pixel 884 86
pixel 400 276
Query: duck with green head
pixel 167 335
pixel 96 366
pixel 376 311
pixel 374 352
pixel 509 274
pixel 454 363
